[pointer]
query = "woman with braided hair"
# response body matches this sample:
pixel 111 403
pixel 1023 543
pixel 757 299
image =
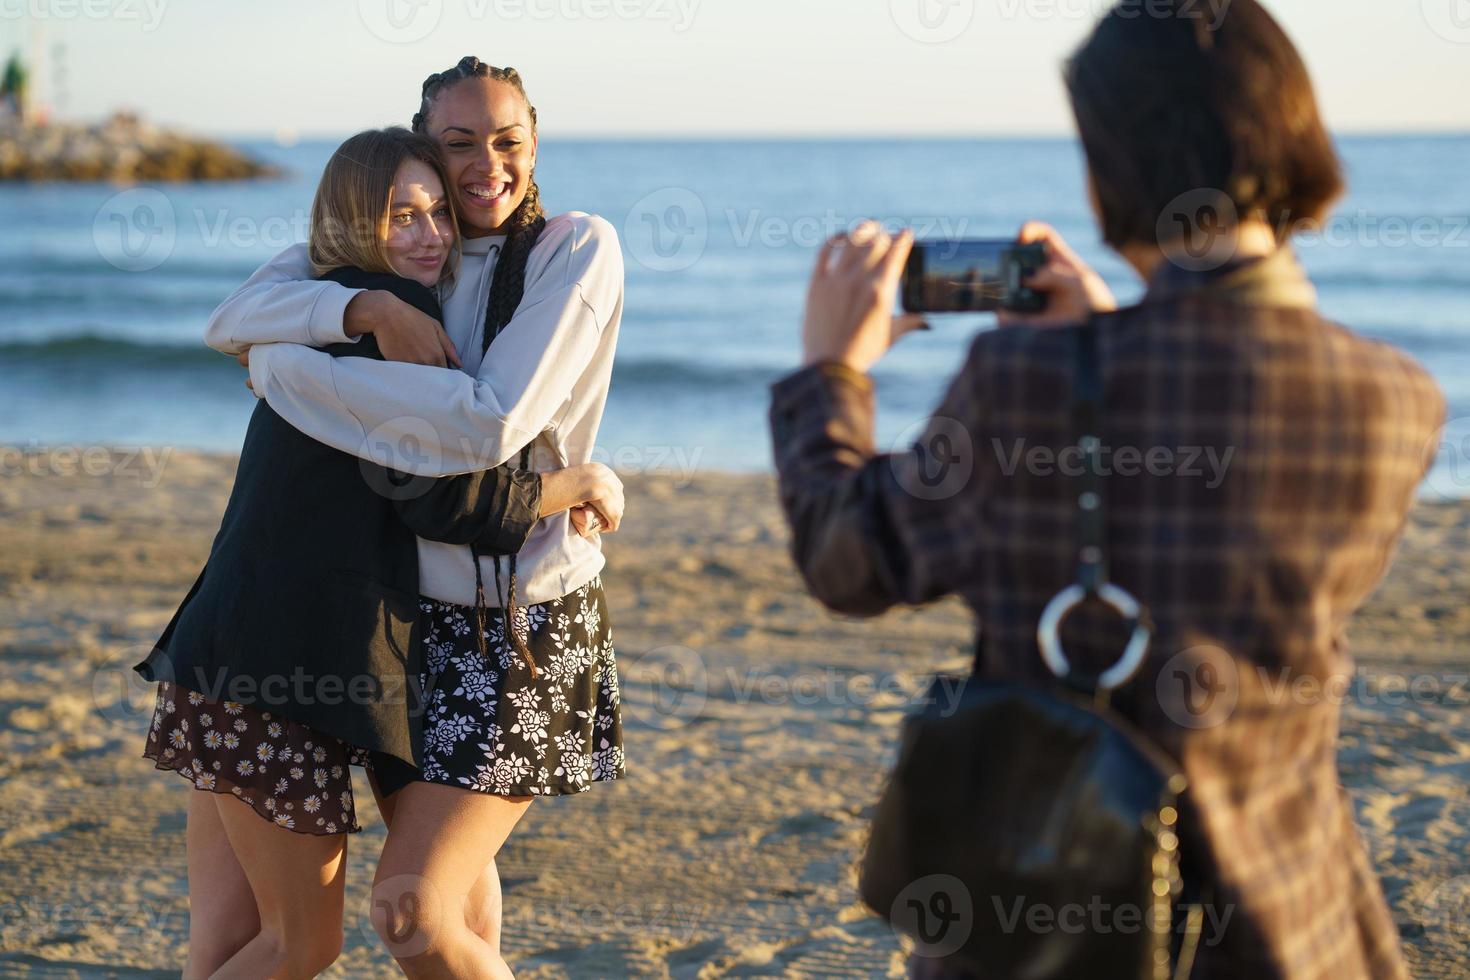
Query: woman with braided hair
pixel 520 678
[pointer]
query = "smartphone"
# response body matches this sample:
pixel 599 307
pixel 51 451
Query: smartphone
pixel 972 275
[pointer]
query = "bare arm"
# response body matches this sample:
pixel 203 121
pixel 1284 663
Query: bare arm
pixel 587 483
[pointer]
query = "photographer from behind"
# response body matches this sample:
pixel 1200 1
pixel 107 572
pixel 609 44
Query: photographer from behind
pixel 1250 575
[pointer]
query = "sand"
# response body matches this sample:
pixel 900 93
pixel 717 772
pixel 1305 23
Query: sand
pixel 758 728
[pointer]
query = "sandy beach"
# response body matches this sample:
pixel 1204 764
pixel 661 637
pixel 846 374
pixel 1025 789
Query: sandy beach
pixel 758 730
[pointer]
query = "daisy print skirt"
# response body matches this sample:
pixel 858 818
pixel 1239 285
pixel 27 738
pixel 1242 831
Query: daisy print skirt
pixel 490 727
pixel 290 774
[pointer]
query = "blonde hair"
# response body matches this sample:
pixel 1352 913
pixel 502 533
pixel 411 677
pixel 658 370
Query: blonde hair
pixel 354 199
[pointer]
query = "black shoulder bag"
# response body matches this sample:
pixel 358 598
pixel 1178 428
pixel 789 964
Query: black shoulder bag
pixel 1029 833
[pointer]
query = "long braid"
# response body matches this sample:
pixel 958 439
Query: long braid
pixel 509 284
pixel 506 288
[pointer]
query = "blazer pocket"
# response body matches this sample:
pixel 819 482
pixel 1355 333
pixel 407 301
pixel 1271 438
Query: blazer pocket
pixel 356 578
pixel 378 623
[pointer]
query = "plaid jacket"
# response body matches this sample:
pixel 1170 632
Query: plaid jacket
pixel 1263 462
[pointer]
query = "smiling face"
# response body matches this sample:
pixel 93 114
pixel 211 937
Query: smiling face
pixel 485 129
pixel 420 229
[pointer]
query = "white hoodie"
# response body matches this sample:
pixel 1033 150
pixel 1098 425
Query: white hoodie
pixel 543 382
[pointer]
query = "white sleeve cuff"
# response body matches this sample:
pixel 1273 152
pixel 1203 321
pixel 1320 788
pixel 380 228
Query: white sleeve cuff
pixel 260 372
pixel 328 313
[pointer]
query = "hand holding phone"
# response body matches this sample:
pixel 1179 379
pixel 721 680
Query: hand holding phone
pixel 849 303
pixel 1035 280
pixel 1072 289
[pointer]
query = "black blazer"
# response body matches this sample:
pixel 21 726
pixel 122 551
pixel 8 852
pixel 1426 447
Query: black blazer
pixel 308 605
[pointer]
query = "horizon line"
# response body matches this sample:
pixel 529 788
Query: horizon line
pixel 794 137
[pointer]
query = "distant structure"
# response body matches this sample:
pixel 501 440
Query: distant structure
pixel 13 89
pixel 120 149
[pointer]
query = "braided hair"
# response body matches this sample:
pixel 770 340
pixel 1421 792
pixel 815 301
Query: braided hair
pixel 525 223
pixel 507 287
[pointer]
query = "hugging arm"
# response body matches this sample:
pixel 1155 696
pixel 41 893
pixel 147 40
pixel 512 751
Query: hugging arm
pixel 493 509
pixel 870 531
pixel 496 509
pixel 462 423
pixel 281 303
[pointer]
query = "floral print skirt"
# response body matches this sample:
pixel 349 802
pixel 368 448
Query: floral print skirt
pixel 288 773
pixel 492 728
pixel 489 727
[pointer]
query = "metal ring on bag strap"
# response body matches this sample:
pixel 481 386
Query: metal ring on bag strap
pixel 1092 566
pixel 1049 639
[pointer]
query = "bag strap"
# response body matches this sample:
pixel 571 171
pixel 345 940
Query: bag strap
pixel 1093 583
pixel 507 605
pixel 1092 545
pixel 1087 396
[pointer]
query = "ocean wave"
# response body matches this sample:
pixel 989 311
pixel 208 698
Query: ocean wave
pixel 1449 340
pixel 183 266
pixel 122 353
pixel 1376 279
pixel 116 352
pixel 668 373
pixel 665 372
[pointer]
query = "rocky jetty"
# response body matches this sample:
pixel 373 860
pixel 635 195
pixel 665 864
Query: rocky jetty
pixel 122 149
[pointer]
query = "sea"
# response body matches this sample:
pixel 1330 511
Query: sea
pixel 105 290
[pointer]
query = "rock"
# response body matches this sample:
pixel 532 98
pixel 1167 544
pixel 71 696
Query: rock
pixel 122 149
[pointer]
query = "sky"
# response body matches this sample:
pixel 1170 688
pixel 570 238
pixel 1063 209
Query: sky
pixel 869 69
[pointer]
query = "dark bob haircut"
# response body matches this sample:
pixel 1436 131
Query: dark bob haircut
pixel 1198 97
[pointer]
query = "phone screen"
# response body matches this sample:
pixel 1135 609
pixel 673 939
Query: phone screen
pixel 966 275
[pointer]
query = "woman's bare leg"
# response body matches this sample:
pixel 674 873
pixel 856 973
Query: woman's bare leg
pixel 441 842
pixel 298 882
pixel 483 907
pixel 222 913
